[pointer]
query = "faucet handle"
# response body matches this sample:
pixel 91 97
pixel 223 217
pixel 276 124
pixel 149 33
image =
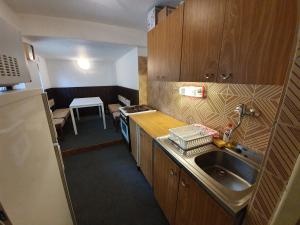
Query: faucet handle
pixel 253 112
pixel 240 109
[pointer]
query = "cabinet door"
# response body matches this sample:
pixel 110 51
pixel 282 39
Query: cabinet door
pixel 133 138
pixel 172 45
pixel 165 183
pixel 152 53
pixel 257 41
pixel 196 207
pixel 146 156
pixel 202 39
pixel 164 47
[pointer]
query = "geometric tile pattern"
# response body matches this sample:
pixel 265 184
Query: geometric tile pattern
pixel 216 110
pixel 283 151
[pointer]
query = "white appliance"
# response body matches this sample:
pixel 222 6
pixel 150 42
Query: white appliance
pixel 124 117
pixel 33 189
pixel 13 69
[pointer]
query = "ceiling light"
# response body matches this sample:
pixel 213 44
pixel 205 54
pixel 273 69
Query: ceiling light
pixel 84 63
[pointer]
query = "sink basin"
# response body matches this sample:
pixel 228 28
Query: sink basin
pixel 230 171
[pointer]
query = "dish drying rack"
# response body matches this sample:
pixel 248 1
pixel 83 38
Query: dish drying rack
pixel 192 136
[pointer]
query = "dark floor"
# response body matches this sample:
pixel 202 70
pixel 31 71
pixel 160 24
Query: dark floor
pixel 107 189
pixel 90 132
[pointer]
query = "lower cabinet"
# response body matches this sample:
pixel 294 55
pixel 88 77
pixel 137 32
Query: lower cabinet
pixel 165 182
pixel 196 207
pixel 146 155
pixel 133 139
pixel 180 197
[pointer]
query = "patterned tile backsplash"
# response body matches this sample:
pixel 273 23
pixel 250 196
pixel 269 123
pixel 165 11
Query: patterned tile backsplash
pixel 216 110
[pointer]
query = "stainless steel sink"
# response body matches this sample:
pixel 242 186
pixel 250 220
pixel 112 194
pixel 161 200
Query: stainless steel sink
pixel 227 175
pixel 230 171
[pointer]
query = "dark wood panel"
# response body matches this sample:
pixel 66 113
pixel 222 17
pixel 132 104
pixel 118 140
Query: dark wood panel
pixel 64 96
pixel 165 183
pixel 196 207
pixel 258 40
pixel 131 94
pixel 202 39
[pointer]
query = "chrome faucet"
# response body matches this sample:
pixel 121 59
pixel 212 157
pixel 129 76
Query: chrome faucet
pixel 243 111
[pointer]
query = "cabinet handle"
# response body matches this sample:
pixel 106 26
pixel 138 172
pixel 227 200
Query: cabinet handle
pixel 226 77
pixel 208 76
pixel 172 173
pixel 183 184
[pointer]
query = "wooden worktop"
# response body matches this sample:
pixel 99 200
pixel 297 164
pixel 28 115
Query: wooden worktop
pixel 156 124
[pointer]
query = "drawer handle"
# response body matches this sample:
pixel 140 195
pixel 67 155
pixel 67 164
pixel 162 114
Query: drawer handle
pixel 226 77
pixel 183 184
pixel 208 76
pixel 172 173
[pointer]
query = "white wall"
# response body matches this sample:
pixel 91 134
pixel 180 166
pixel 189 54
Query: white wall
pixel 8 14
pixel 43 71
pixel 39 74
pixel 34 75
pixel 143 51
pixel 34 25
pixel 66 73
pixel 127 70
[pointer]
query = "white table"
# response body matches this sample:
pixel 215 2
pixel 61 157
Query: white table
pixel 84 103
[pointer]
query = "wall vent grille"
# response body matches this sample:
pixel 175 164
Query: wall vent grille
pixel 9 66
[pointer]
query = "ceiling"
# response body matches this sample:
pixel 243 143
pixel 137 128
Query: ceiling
pixel 128 13
pixel 70 49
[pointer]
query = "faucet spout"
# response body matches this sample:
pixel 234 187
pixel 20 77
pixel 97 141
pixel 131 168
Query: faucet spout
pixel 243 111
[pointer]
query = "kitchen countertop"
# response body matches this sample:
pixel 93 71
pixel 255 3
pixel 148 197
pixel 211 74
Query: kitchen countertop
pixel 156 124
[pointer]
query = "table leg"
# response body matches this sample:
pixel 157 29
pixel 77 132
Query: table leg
pixel 73 121
pixel 100 112
pixel 77 112
pixel 103 116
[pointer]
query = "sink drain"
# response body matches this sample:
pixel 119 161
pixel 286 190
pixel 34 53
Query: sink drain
pixel 221 172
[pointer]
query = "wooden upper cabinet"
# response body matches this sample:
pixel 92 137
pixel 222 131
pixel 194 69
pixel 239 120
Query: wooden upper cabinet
pixel 202 39
pixel 152 53
pixel 196 207
pixel 173 43
pixel 165 183
pixel 258 40
pixel 164 47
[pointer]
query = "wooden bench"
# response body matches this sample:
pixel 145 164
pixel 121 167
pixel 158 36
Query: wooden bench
pixel 59 116
pixel 59 124
pixel 115 112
